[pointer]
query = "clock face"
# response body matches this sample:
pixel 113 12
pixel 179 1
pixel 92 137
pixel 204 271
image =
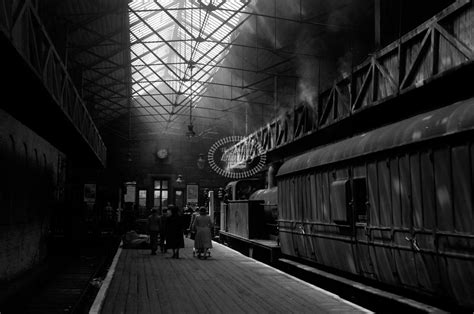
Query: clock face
pixel 162 153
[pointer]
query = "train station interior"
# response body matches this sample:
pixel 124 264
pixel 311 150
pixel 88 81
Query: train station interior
pixel 329 141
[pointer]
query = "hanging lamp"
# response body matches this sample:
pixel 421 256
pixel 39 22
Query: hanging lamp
pixel 190 133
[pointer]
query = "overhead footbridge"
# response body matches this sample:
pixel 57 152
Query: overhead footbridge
pixel 40 92
pixel 429 67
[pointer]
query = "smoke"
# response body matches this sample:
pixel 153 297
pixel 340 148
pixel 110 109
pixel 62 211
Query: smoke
pixel 308 66
pixel 307 92
pixel 307 87
pixel 344 64
pixel 324 49
pixel 336 45
pixel 325 45
pixel 344 21
pixel 270 32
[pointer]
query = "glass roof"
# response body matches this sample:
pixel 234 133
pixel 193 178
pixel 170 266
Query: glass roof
pixel 175 47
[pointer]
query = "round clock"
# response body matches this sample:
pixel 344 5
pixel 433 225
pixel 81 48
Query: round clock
pixel 162 153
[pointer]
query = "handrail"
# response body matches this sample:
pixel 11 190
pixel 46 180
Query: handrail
pixel 21 24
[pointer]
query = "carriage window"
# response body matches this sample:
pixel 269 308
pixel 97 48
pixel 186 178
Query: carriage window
pixel 340 198
pixel 359 191
pixel 349 202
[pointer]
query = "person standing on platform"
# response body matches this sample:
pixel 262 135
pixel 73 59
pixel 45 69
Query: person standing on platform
pixel 164 216
pixel 187 214
pixel 202 225
pixel 192 232
pixel 154 226
pixel 174 231
pixel 118 220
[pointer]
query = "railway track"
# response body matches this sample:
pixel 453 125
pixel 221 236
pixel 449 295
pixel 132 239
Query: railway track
pixel 66 291
pixel 375 297
pixel 70 283
pixel 371 295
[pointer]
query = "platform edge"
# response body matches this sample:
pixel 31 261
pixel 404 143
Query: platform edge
pixel 100 297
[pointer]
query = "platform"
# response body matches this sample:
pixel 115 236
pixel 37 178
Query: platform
pixel 267 251
pixel 227 282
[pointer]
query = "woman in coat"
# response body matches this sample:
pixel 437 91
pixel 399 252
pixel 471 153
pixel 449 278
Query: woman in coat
pixel 174 231
pixel 202 225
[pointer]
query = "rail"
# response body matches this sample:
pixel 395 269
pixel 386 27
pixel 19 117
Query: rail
pixel 443 43
pixel 21 24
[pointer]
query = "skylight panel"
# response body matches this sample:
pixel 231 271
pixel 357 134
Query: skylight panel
pixel 170 45
pixel 139 49
pixel 221 32
pixel 140 31
pixel 157 20
pixel 143 72
pixel 161 51
pixel 148 88
pixel 153 77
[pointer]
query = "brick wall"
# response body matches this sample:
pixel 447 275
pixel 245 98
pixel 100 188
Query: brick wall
pixel 28 189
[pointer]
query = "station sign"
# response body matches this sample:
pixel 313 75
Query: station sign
pixel 236 161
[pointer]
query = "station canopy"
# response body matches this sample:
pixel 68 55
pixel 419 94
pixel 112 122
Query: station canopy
pixel 175 48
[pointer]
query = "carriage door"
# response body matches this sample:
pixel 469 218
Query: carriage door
pixel 359 206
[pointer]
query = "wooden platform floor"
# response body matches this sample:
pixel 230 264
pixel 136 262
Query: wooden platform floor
pixel 227 282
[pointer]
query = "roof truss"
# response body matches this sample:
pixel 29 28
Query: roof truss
pixel 176 47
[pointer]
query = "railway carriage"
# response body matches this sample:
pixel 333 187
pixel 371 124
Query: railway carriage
pixel 394 204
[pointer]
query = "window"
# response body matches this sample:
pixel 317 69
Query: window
pixel 340 198
pixel 349 202
pixel 142 198
pixel 160 193
pixel 142 203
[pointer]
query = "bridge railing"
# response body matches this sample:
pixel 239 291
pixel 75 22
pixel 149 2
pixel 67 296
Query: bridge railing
pixel 443 43
pixel 21 24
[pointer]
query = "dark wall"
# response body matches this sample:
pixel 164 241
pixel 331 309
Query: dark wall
pixel 30 186
pixel 400 16
pixel 83 213
pixel 144 166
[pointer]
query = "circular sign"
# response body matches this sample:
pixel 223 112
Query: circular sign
pixel 231 163
pixel 162 153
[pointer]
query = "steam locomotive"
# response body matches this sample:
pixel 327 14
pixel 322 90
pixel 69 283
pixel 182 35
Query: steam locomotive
pixel 394 205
